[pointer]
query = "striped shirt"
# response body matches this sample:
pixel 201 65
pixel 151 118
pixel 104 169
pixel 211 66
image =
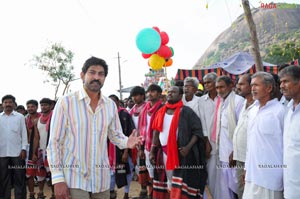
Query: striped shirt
pixel 77 150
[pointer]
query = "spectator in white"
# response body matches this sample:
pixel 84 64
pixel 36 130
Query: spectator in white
pixel 190 87
pixel 207 105
pixel 190 99
pixel 264 156
pixel 238 156
pixel 284 100
pixel 13 136
pixel 290 86
pixel 226 116
pixel 138 95
pixel 146 118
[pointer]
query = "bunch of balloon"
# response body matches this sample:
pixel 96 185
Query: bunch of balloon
pixel 153 44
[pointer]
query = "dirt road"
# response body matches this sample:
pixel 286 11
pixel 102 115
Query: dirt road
pixel 133 193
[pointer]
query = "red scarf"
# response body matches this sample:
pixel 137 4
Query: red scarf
pixel 172 149
pixel 121 108
pixel 137 109
pixel 112 155
pixel 112 148
pixel 45 119
pixel 148 133
pixel 29 122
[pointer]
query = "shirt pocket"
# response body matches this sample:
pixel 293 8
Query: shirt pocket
pixel 267 125
pixel 294 132
pixel 15 129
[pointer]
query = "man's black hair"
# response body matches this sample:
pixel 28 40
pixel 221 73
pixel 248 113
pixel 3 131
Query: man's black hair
pixel 94 61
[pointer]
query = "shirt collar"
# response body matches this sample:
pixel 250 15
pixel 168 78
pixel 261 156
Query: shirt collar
pixel 269 103
pixel 184 100
pixel 82 95
pixel 290 105
pixel 12 113
pixel 206 97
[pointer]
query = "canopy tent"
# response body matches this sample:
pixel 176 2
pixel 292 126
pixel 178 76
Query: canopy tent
pixel 238 63
pixel 126 90
pixel 234 66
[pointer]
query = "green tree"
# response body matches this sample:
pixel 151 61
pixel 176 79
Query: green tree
pixel 283 52
pixel 56 62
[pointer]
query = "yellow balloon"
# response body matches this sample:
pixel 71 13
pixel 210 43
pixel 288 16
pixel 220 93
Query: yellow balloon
pixel 156 62
pixel 200 87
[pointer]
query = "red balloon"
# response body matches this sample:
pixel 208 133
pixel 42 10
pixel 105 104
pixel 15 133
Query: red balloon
pixel 164 38
pixel 164 51
pixel 156 28
pixel 146 56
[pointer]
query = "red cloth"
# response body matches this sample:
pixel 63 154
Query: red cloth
pixel 183 191
pixel 45 119
pixel 172 160
pixel 148 133
pixel 29 121
pixel 136 110
pixel 215 123
pixel 121 108
pixel 112 155
pixel 112 148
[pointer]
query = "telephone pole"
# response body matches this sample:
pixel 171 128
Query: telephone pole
pixel 120 80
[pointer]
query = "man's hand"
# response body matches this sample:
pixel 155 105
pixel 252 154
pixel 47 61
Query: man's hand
pixel 134 140
pixel 61 191
pixel 125 157
pixel 34 158
pixel 23 154
pixel 243 178
pixel 152 157
pixel 208 149
pixel 141 154
pixel 232 163
pixel 184 151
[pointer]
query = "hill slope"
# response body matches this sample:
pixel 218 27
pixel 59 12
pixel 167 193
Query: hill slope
pixel 274 26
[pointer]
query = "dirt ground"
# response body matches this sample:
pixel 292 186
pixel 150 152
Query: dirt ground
pixel 133 193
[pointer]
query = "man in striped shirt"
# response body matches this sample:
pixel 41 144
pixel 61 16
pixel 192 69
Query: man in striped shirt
pixel 81 123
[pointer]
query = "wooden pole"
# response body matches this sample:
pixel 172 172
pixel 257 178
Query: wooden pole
pixel 253 35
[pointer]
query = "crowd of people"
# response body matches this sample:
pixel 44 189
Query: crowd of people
pixel 237 140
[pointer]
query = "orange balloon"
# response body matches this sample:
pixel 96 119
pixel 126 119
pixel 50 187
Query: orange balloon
pixel 169 62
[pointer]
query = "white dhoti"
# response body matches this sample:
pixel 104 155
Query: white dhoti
pixel 253 191
pixel 226 184
pixel 211 167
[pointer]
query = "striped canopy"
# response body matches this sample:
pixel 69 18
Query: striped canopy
pixel 183 73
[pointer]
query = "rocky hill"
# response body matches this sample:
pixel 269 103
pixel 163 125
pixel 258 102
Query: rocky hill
pixel 274 26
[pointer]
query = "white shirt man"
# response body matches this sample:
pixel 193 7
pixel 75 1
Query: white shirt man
pixel 264 157
pixel 292 151
pixel 290 87
pixel 226 118
pixel 207 106
pixel 264 150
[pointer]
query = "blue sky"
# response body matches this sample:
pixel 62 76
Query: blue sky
pixel 102 29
